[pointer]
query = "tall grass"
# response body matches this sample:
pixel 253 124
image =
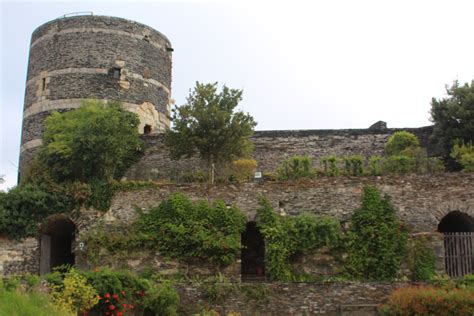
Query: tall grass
pixel 13 303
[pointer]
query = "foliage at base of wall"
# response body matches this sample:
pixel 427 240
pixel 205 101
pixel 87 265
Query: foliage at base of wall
pixel 421 259
pixel 14 301
pixel 427 300
pixel 287 236
pixel 180 229
pixel 376 243
pixel 119 292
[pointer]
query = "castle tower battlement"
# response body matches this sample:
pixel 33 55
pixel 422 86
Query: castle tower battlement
pixel 95 57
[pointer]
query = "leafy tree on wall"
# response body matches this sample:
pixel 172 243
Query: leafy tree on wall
pixel 209 126
pixel 453 116
pixel 95 141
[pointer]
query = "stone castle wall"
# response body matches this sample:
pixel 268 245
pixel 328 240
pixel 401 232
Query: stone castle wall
pixel 272 147
pixel 75 58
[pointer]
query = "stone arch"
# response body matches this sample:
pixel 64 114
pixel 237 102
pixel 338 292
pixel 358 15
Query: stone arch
pixel 456 222
pixel 458 228
pixel 442 209
pixel 57 239
pixel 252 253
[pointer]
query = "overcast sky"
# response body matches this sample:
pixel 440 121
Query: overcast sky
pixel 302 65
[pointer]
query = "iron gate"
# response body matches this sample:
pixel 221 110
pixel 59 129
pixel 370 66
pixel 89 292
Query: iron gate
pixel 459 253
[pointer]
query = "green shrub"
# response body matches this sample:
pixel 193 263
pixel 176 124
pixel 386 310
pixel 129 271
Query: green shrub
pixel 377 240
pixel 74 295
pixel 285 237
pixel 330 166
pixel 32 281
pixel 25 206
pixel 375 166
pixel 353 165
pixel 295 168
pixel 189 231
pixel 243 170
pixel 421 259
pixel 161 299
pixel 399 142
pixel 426 300
pixel 464 155
pixel 399 164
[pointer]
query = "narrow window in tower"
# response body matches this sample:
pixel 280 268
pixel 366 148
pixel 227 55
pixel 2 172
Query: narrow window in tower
pixel 116 73
pixel 147 129
pixel 43 84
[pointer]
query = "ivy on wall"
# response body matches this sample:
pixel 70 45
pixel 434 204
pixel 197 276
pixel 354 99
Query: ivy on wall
pixel 377 241
pixel 286 236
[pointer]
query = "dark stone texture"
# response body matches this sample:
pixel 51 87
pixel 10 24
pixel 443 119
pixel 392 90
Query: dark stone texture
pixel 272 147
pixel 103 86
pixel 99 50
pixel 98 44
pixel 336 298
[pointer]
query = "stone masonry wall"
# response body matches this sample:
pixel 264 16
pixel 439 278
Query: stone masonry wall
pixel 19 257
pixel 421 201
pixel 291 298
pixel 76 58
pixel 272 147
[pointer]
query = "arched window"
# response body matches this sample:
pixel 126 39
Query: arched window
pixel 253 253
pixel 458 230
pixel 57 238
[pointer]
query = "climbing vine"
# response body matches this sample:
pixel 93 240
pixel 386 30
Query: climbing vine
pixel 285 237
pixel 377 241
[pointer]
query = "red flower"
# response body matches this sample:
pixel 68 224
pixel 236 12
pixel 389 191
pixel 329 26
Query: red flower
pixel 119 314
pixel 122 292
pixel 107 295
pixel 115 296
pixel 111 307
pixel 107 301
pixel 124 305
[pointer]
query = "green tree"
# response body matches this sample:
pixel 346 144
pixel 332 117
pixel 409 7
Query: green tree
pixel 377 240
pixel 95 141
pixel 453 116
pixel 400 142
pixel 209 126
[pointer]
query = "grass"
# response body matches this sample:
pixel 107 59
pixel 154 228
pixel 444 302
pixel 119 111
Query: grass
pixel 13 303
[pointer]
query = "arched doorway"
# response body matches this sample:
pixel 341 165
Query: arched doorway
pixel 57 238
pixel 252 254
pixel 458 230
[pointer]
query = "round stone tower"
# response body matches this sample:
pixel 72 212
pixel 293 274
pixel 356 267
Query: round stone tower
pixel 95 57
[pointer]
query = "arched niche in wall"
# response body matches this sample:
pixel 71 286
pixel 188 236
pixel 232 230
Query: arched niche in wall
pixel 57 236
pixel 458 230
pixel 253 253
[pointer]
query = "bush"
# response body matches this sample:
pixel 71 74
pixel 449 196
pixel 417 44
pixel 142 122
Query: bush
pixel 74 294
pixel 190 231
pixel 243 170
pixel 353 166
pixel 429 301
pixel 295 167
pixel 399 142
pixel 162 299
pixel 285 237
pixel 377 240
pixel 421 260
pixel 25 206
pixel 399 164
pixel 464 155
pixel 330 166
pixel 374 167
